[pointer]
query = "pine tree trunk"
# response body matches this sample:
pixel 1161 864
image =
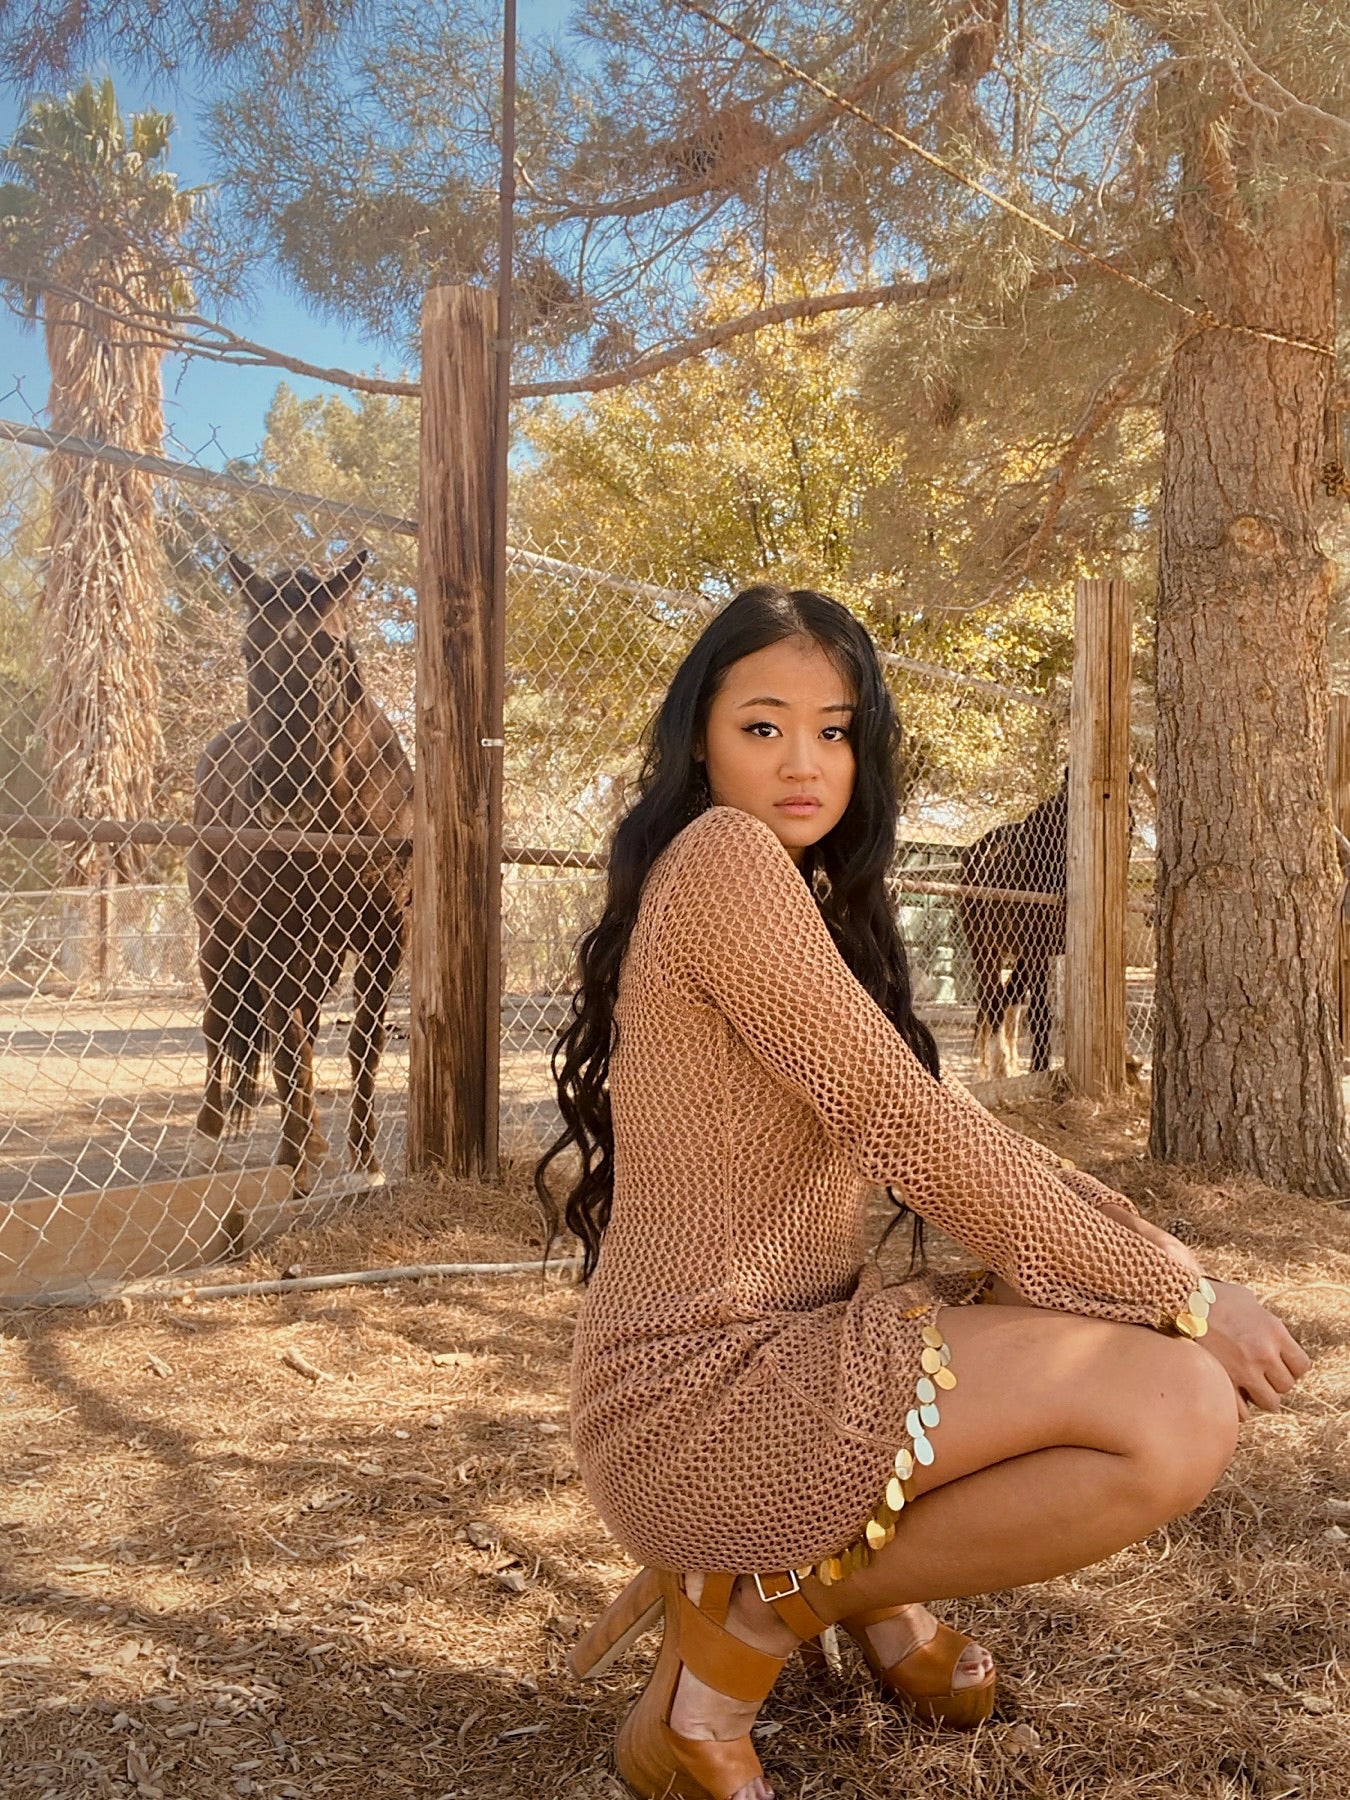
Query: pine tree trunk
pixel 104 592
pixel 1246 1062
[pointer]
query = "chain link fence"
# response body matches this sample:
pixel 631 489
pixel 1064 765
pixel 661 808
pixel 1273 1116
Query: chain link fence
pixel 978 883
pixel 113 1163
pixel 153 948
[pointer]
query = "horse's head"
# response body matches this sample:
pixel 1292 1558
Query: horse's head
pixel 302 675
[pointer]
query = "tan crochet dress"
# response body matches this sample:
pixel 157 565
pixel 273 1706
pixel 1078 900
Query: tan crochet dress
pixel 741 1386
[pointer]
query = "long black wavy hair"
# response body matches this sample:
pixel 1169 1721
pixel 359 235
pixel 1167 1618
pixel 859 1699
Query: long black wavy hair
pixel 846 871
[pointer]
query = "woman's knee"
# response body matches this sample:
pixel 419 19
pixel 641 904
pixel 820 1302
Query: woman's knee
pixel 1188 1436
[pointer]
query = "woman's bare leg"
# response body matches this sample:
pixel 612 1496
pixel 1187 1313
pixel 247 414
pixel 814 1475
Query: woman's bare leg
pixel 1064 1440
pixel 894 1639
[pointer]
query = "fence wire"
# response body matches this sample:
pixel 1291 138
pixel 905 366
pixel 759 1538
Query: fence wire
pixel 589 654
pixel 145 918
pixel 124 933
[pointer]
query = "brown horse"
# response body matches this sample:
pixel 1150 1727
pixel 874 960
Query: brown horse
pixel 275 925
pixel 1028 855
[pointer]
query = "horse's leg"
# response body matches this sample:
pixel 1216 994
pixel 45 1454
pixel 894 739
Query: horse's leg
pixel 995 1002
pixel 998 1034
pixel 984 964
pixel 1038 1012
pixel 212 958
pixel 292 1018
pixel 376 967
pixel 1015 999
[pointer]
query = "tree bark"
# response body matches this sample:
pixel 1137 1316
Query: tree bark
pixel 1246 1064
pixel 103 594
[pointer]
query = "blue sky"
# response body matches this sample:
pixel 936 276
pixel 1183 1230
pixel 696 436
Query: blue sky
pixel 213 410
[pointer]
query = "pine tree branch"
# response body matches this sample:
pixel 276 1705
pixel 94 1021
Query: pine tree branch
pixel 896 293
pixel 563 212
pixel 1249 66
pixel 567 211
pixel 189 334
pixel 1110 396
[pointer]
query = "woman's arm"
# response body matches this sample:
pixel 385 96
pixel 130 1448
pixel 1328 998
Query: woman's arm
pixel 1086 1186
pixel 737 929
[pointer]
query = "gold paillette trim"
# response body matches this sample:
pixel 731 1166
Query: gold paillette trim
pixel 1193 1320
pixel 924 1416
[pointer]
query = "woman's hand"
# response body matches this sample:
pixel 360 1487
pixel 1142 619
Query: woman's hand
pixel 1258 1353
pixel 1155 1234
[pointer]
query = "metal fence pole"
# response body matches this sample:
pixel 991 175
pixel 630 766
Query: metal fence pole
pixel 451 996
pixel 496 744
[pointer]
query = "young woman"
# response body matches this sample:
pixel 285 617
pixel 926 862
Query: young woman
pixel 783 1442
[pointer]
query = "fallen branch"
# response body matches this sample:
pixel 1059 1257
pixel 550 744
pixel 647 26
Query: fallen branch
pixel 301 1284
pixel 302 1365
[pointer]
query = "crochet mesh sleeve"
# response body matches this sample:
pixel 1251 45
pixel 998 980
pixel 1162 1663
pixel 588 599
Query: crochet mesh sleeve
pixel 1086 1186
pixel 737 929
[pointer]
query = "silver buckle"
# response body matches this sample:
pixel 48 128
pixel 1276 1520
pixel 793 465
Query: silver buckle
pixel 787 1592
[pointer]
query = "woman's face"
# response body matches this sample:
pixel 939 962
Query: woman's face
pixel 778 732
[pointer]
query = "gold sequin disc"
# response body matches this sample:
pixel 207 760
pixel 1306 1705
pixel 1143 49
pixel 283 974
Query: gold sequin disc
pixel 932 1337
pixel 931 1360
pixel 945 1379
pixel 876 1534
pixel 895 1494
pixel 904 1463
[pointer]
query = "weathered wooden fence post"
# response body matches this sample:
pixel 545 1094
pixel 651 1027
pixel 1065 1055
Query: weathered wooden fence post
pixel 1099 840
pixel 1338 781
pixel 453 1006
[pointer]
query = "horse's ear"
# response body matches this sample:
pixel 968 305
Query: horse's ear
pixel 245 578
pixel 346 578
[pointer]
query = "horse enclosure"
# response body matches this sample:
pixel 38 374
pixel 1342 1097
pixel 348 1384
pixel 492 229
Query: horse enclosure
pixel 372 918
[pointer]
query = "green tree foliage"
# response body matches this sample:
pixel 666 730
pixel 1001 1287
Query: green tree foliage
pixel 764 461
pixel 49 40
pixel 88 193
pixel 656 156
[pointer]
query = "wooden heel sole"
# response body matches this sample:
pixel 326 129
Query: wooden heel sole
pixel 621 1624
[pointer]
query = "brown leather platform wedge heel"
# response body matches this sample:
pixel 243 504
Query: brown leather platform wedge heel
pixel 922 1681
pixel 637 1609
pixel 656 1762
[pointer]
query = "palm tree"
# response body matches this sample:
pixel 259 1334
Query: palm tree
pixel 91 241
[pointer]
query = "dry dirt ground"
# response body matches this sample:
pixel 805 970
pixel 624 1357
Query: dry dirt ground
pixel 222 1576
pixel 100 1092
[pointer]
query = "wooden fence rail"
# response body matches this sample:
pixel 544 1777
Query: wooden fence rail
pixel 159 834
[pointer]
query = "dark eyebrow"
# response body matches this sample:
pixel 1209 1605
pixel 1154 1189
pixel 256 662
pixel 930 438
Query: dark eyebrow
pixel 769 700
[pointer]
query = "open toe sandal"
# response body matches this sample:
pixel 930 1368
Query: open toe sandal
pixel 922 1681
pixel 656 1762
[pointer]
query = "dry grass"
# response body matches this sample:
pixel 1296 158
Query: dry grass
pixel 221 1578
